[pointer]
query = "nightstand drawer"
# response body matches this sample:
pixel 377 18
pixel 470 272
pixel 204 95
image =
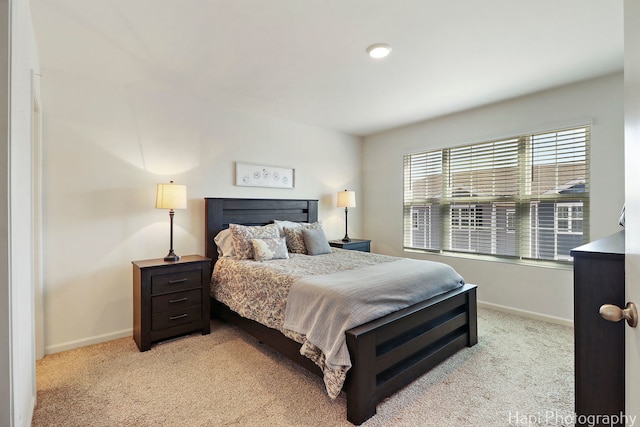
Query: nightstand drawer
pixel 358 246
pixel 175 300
pixel 174 282
pixel 169 319
pixel 362 245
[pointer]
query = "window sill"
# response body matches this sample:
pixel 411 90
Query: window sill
pixel 554 265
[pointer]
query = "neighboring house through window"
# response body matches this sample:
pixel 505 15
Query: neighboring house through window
pixel 524 197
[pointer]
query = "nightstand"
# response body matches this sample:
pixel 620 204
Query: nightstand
pixel 170 298
pixel 362 245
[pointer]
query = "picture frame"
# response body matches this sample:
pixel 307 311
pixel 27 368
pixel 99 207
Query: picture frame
pixel 250 175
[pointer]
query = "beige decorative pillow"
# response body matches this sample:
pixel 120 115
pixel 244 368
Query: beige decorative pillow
pixel 266 249
pixel 295 241
pixel 243 234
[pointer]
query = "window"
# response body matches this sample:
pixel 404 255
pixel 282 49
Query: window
pixel 510 220
pixel 425 220
pixel 464 218
pixel 569 218
pixel 524 197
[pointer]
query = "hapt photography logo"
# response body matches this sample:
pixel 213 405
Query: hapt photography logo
pixel 553 418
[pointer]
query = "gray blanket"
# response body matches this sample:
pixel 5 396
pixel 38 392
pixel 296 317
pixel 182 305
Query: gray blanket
pixel 323 307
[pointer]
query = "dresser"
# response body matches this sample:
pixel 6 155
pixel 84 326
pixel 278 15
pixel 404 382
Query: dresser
pixel 170 298
pixel 599 279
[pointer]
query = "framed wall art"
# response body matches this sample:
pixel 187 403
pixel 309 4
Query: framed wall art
pixel 248 175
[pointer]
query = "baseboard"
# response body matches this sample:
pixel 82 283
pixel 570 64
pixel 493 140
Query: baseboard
pixel 70 345
pixel 525 313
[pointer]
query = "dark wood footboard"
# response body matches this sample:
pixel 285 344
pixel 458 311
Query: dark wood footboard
pixel 390 352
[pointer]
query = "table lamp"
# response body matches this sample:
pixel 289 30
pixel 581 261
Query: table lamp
pixel 171 196
pixel 346 200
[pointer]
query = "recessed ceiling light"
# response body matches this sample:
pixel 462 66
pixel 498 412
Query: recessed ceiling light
pixel 379 50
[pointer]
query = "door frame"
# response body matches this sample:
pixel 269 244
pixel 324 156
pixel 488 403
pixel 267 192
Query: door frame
pixel 632 202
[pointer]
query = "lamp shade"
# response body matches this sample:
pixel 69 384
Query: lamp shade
pixel 171 196
pixel 347 199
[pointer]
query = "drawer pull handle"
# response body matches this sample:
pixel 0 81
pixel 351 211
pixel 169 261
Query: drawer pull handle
pixel 178 317
pixel 173 282
pixel 173 301
pixel 613 313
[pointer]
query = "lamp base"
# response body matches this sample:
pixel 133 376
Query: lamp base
pixel 171 257
pixel 346 239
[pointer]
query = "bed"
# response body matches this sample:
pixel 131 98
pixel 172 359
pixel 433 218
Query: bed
pixel 386 353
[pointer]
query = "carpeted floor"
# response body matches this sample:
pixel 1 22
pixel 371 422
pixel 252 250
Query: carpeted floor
pixel 520 374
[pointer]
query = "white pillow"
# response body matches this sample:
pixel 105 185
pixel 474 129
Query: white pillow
pixel 281 224
pixel 224 241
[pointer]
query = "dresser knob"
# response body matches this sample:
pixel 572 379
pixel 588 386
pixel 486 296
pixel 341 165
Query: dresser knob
pixel 613 313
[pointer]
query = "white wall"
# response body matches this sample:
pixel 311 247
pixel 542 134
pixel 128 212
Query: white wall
pixel 545 291
pixel 105 148
pixel 17 361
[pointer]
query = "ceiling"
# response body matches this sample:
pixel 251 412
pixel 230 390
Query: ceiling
pixel 305 60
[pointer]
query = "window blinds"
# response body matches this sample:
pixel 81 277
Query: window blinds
pixel 523 197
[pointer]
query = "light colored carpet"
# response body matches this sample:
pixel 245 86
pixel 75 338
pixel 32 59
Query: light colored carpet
pixel 519 373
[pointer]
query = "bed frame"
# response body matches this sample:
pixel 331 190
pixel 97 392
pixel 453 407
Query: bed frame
pixel 387 353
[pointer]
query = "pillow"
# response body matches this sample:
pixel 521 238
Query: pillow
pixel 295 241
pixel 242 235
pixel 266 249
pixel 315 241
pixel 281 224
pixel 224 241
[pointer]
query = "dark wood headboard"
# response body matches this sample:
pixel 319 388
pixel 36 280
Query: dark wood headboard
pixel 220 212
